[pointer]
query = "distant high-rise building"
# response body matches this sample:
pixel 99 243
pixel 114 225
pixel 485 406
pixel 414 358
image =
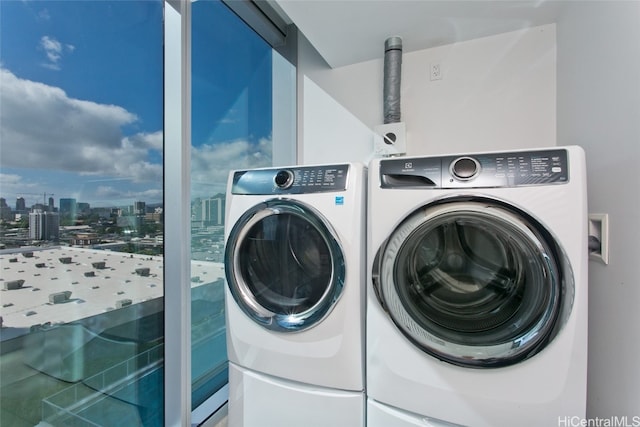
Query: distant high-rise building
pixel 210 211
pixel 51 204
pixel 21 205
pixel 5 210
pixel 44 225
pixel 139 208
pixel 68 207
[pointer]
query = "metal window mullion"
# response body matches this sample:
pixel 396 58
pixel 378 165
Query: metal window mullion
pixel 177 242
pixel 261 18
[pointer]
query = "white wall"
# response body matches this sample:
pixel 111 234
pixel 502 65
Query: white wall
pixel 599 108
pixel 331 133
pixel 496 93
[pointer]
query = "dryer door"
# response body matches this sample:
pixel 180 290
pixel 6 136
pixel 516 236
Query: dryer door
pixel 284 265
pixel 475 283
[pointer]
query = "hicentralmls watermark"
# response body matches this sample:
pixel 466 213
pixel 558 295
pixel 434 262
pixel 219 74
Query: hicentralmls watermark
pixel 622 421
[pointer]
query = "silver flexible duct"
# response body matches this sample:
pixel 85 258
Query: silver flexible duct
pixel 392 75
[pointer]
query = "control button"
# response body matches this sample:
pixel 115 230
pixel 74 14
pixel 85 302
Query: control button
pixel 465 168
pixel 284 178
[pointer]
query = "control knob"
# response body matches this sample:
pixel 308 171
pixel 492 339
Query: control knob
pixel 465 168
pixel 284 179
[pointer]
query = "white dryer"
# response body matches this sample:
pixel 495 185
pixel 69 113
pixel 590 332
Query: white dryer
pixel 477 303
pixel 295 296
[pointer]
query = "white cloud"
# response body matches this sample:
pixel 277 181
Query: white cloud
pixel 9 179
pixel 211 163
pixel 41 127
pixel 54 50
pixel 13 185
pixel 107 192
pixel 153 141
pixel 43 15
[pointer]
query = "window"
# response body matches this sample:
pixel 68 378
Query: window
pixel 92 128
pixel 237 78
pixel 81 131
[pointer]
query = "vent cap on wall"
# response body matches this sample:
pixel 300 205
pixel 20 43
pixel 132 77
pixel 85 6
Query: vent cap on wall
pixel 390 140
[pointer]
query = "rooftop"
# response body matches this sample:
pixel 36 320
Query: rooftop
pixel 64 284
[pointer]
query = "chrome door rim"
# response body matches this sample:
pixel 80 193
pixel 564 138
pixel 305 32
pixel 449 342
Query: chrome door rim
pixel 434 339
pixel 240 289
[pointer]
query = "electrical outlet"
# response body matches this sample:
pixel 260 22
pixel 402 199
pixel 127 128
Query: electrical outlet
pixel 435 72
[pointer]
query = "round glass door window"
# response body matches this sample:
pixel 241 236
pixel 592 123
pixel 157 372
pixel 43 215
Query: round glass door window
pixel 284 265
pixel 474 283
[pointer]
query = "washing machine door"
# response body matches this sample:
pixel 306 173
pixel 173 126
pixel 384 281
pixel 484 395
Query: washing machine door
pixel 284 265
pixel 474 282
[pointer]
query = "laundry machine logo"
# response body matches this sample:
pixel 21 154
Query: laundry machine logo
pixel 339 200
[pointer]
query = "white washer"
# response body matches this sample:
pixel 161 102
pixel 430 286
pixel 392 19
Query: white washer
pixel 295 295
pixel 477 302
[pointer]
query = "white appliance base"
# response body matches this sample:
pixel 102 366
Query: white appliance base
pixel 257 400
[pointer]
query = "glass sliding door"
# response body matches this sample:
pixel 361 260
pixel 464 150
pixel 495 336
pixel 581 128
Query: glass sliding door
pixel 81 213
pixel 242 117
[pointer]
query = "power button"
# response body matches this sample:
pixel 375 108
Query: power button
pixel 465 168
pixel 283 179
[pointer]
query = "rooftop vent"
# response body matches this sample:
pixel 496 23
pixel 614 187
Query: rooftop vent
pixel 27 254
pixel 99 265
pixel 89 274
pixel 13 259
pixel 143 271
pixel 123 303
pixel 65 260
pixel 59 297
pixel 41 265
pixel 13 284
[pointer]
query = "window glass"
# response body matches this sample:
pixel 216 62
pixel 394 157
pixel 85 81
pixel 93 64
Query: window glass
pixel 81 205
pixel 238 103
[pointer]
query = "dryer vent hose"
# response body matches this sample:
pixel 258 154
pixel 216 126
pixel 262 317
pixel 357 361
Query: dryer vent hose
pixel 392 76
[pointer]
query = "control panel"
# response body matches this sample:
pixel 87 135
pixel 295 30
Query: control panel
pixel 291 180
pixel 510 169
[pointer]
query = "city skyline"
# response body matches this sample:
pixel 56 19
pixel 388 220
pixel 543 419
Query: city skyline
pixel 46 201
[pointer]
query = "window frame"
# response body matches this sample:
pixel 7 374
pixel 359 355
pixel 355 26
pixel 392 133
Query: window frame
pixel 282 37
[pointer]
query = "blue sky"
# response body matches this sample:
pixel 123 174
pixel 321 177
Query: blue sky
pixel 81 100
pixel 231 98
